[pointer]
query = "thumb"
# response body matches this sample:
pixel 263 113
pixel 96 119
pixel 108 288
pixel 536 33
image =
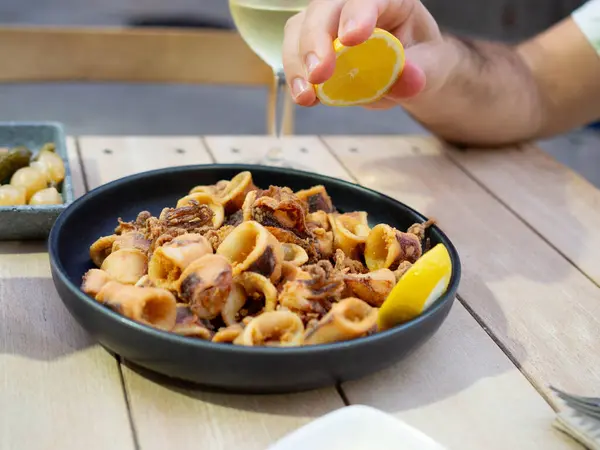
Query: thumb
pixel 411 82
pixel 423 71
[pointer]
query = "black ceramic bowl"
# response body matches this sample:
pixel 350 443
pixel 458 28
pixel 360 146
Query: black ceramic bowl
pixel 233 368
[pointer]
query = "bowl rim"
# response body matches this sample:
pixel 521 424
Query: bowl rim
pixel 151 332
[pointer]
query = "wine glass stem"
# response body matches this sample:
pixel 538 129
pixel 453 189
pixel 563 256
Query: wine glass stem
pixel 279 93
pixel 279 102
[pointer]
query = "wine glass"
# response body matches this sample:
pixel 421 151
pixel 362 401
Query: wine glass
pixel 261 24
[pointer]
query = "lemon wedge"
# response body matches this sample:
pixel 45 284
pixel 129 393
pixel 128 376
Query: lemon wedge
pixel 417 289
pixel 363 73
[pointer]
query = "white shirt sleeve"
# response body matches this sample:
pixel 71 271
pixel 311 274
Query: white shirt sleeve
pixel 587 17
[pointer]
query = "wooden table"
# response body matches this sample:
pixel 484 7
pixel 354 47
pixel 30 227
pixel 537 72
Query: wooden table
pixel 527 315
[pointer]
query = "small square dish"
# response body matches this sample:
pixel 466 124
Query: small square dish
pixel 356 427
pixel 19 141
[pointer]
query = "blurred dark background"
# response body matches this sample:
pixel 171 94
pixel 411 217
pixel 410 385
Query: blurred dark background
pixel 177 109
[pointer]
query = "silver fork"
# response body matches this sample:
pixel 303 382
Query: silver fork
pixel 586 405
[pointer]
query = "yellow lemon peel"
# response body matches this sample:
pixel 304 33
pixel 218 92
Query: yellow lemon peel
pixel 417 289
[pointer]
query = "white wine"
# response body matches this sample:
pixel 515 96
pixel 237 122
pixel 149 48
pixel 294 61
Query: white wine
pixel 261 24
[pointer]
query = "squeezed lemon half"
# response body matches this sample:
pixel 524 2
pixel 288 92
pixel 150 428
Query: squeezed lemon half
pixel 418 288
pixel 363 73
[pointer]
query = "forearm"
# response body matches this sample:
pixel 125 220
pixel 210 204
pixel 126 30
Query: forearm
pixel 488 96
pixel 567 72
pixel 494 94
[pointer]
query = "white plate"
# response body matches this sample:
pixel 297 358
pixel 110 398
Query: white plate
pixel 356 427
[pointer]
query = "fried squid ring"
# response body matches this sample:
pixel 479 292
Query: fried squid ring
pixel 273 329
pixel 255 285
pixel 310 246
pixel 188 324
pixel 318 219
pixel 126 266
pixel 382 249
pixel 372 287
pixel 211 189
pixel 93 281
pixel 250 247
pixel 316 198
pixel 101 248
pixel 234 194
pixel 350 232
pixel 235 301
pixel 205 199
pixel 171 259
pixel 205 284
pixel 280 208
pixel 151 306
pixel 410 247
pixel 248 206
pixel 131 239
pixel 349 319
pixel 294 254
pixel 229 334
pixel 387 247
pixel 144 282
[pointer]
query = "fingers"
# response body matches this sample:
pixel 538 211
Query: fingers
pixel 308 54
pixel 319 29
pixel 408 20
pixel 302 91
pixel 359 18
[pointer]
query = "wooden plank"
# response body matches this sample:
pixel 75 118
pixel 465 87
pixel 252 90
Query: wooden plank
pixel 167 417
pixel 540 308
pixel 454 387
pixel 554 200
pixel 129 55
pixel 57 388
pixel 107 158
pixel 305 152
pixel 460 389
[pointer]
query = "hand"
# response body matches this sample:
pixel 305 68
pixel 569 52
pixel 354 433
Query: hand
pixel 308 55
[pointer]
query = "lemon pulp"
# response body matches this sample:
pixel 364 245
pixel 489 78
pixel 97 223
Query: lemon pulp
pixel 363 73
